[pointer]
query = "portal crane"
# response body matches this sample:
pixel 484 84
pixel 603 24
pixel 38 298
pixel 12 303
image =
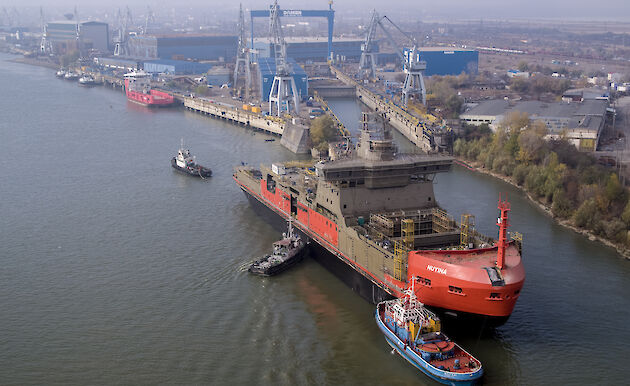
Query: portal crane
pixel 78 32
pixel 45 45
pixel 367 64
pixel 283 90
pixel 121 43
pixel 149 18
pixel 412 66
pixel 242 55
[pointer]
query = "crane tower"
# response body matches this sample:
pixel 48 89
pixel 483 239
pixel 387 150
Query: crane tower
pixel 242 55
pixel 413 67
pixel 283 90
pixel 123 33
pixel 367 63
pixel 414 82
pixel 45 45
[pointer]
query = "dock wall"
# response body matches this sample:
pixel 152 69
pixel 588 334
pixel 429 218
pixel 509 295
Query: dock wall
pixel 398 118
pixel 333 91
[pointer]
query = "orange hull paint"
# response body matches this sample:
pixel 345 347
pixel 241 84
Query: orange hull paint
pixel 464 286
pixel 453 280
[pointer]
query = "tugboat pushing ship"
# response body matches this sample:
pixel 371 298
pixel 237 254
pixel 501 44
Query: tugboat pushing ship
pixel 286 252
pixel 375 223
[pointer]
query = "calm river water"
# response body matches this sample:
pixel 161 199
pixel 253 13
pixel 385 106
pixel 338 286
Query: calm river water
pixel 116 270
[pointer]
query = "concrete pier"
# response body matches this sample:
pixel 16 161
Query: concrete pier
pixel 233 114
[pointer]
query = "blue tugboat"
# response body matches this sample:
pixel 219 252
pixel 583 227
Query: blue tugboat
pixel 414 332
pixel 185 163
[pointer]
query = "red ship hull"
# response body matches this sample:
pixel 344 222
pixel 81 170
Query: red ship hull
pixel 154 98
pixel 456 282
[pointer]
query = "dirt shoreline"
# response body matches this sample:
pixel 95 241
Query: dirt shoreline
pixel 34 62
pixel 622 250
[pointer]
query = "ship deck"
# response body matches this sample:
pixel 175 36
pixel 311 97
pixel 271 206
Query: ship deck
pixel 465 363
pixel 471 258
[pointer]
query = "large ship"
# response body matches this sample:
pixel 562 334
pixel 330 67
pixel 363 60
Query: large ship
pixel 138 89
pixel 376 224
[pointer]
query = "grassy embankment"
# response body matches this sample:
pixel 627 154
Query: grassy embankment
pixel 569 184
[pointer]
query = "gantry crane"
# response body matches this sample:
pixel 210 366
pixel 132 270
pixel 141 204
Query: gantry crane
pixel 283 90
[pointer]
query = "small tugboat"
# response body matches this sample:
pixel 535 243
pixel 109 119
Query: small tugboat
pixel 286 252
pixel 87 80
pixel 414 332
pixel 186 163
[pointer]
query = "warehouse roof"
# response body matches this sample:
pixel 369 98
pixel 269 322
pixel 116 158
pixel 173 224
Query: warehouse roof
pixel 540 109
pixel 492 107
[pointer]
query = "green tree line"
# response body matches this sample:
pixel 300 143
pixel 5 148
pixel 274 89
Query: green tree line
pixel 553 171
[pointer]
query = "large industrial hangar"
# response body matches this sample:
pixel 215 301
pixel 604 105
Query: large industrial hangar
pixel 199 47
pixel 62 35
pixel 313 48
pixel 441 60
pixel 175 67
pixel 448 61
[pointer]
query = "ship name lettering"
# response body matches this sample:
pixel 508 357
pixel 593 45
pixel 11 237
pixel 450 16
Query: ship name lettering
pixel 436 269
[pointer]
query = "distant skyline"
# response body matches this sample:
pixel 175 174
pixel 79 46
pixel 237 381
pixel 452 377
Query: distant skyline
pixel 618 10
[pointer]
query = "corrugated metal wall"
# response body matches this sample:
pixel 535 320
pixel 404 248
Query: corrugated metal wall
pixel 198 47
pixel 442 62
pixel 176 67
pixel 189 47
pixel 267 71
pixel 450 62
pixel 314 50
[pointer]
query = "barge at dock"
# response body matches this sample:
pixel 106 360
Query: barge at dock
pixel 376 225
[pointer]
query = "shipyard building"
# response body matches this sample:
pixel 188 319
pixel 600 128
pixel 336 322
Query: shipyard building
pixel 580 122
pixel 220 48
pixel 62 36
pixel 441 60
pixel 267 71
pixel 175 67
pixel 304 49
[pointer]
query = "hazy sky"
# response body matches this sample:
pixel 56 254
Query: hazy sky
pixel 442 9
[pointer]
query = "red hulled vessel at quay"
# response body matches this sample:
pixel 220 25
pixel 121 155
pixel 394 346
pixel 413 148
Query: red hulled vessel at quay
pixel 138 90
pixel 375 223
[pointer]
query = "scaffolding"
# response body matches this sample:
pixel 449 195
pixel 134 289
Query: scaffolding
pixel 442 222
pixel 407 233
pixel 400 261
pixel 517 237
pixel 467 227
